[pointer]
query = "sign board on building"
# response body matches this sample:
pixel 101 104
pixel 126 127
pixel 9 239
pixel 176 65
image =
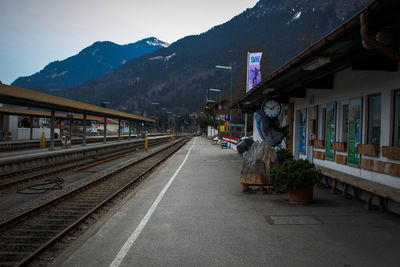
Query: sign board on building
pixel 330 130
pixel 253 70
pixel 354 135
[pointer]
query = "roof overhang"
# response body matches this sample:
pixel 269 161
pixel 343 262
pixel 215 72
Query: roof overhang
pixel 45 114
pixel 24 97
pixel 315 67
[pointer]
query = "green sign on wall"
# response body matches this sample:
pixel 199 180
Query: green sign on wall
pixel 354 135
pixel 330 131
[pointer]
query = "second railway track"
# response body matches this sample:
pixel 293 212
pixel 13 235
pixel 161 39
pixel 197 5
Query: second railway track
pixel 27 235
pixel 21 177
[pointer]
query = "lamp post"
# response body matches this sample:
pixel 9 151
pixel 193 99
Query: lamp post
pixel 230 109
pixel 163 119
pixel 119 125
pixel 216 115
pixel 169 113
pixel 104 103
pixel 155 117
pixel 216 90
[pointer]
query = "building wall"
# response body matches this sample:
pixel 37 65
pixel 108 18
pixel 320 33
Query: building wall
pixel 24 133
pixel 350 84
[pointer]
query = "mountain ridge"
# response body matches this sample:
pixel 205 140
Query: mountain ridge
pixel 178 76
pixel 89 63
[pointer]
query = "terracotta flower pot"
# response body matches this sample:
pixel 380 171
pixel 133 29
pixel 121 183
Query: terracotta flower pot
pixel 302 196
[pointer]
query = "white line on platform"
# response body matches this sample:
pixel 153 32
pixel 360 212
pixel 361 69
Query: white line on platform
pixel 132 238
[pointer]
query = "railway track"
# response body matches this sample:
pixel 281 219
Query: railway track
pixel 10 146
pixel 21 177
pixel 36 144
pixel 26 236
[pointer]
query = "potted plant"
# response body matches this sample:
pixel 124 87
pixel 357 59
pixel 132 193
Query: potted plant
pixel 296 177
pixel 283 155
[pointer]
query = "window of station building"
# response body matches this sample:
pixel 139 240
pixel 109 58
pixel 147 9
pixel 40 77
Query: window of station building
pixel 354 130
pixel 330 130
pixel 302 130
pixel 344 122
pixel 374 119
pixel 321 123
pixel 396 135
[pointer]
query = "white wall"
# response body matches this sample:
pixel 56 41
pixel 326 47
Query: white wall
pixel 13 126
pixel 24 133
pixel 211 131
pixel 350 84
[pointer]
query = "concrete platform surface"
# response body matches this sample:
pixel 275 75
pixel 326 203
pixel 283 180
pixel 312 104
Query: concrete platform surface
pixel 204 219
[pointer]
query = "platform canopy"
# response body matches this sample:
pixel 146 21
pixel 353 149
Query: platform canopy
pixel 44 114
pixel 24 97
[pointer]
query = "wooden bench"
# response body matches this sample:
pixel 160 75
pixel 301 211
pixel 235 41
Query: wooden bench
pixel 373 188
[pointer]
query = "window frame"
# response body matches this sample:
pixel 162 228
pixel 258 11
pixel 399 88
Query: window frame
pixel 396 118
pixel 321 122
pixel 343 122
pixel 361 131
pixel 369 119
pixel 305 125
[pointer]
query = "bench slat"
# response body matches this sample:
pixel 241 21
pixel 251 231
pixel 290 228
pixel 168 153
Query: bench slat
pixel 370 186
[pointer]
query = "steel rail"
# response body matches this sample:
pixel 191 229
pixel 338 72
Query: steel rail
pixel 14 173
pixel 7 225
pixel 88 214
pixel 72 166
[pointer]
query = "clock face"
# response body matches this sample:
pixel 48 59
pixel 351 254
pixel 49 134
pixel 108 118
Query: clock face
pixel 271 108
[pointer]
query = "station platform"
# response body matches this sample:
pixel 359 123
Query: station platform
pixel 21 159
pixel 192 212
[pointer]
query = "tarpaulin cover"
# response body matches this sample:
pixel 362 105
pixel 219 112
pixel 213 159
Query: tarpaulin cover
pixel 259 160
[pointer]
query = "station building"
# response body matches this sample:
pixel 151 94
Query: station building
pixel 341 100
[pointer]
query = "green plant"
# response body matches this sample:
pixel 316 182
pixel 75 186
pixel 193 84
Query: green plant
pixel 283 155
pixel 293 175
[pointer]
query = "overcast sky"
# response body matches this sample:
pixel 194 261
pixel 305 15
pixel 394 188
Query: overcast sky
pixel 35 32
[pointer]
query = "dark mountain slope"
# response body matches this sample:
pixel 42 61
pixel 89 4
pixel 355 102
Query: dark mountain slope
pixel 178 76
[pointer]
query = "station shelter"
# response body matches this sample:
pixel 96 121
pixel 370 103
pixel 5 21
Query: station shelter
pixel 340 99
pixel 32 104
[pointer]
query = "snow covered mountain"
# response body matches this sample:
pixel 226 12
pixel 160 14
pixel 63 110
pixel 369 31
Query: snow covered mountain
pixel 90 63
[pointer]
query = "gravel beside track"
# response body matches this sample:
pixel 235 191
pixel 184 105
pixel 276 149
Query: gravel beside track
pixel 26 236
pixel 22 176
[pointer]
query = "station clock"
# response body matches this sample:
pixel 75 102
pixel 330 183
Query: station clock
pixel 271 108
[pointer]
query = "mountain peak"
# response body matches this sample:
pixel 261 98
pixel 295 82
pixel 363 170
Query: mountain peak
pixel 155 42
pixel 90 62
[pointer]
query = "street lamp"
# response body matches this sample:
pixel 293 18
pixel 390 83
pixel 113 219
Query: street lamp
pixel 170 117
pixel 217 90
pixel 124 125
pixel 104 103
pixel 163 126
pixel 230 107
pixel 155 117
